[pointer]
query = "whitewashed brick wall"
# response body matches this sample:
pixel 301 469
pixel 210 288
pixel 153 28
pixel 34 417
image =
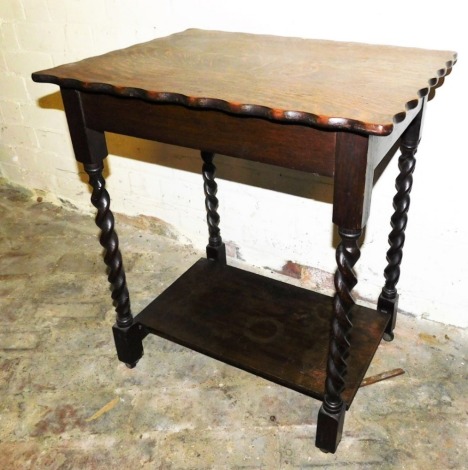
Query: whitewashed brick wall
pixel 284 215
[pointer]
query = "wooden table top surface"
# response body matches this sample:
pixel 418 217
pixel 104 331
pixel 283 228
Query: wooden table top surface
pixel 336 85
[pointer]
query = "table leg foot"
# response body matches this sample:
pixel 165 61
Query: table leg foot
pixel 132 365
pixel 330 428
pixel 389 306
pixel 129 344
pixel 389 336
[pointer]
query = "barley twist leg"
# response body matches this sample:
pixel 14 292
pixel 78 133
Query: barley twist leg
pixel 331 416
pixel 126 333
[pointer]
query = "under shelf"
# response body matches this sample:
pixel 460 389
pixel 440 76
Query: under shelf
pixel 272 329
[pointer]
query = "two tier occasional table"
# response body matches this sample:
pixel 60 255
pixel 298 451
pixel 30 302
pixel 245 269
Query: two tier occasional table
pixel 324 107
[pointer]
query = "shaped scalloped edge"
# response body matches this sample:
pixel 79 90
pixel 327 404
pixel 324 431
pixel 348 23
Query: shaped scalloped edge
pixel 251 110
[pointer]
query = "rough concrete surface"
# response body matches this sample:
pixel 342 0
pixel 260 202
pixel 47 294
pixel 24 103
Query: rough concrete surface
pixel 67 403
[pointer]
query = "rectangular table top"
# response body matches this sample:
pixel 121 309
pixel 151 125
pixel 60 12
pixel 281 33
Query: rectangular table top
pixel 335 85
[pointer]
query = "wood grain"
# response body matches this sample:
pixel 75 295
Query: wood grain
pixel 339 85
pixel 288 145
pixel 272 329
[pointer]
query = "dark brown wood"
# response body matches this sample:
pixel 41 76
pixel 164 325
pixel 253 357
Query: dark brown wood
pixel 126 335
pixel 288 145
pixel 379 146
pixel 249 321
pixel 216 250
pixel 89 145
pixel 388 299
pixel 332 413
pixel 324 107
pixel 336 85
pixel 110 242
pixel 354 171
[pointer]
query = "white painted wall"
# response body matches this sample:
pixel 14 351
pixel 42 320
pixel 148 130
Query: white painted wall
pixel 285 215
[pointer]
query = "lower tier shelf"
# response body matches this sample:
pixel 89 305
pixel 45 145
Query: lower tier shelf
pixel 267 327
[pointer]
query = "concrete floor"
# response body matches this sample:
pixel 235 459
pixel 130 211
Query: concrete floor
pixel 67 403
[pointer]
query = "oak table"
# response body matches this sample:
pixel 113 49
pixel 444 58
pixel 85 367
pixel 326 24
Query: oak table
pixel 329 108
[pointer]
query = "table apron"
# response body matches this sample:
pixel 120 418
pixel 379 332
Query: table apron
pixel 283 144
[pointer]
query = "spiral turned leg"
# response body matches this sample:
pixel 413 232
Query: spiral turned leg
pixel 388 299
pixel 331 416
pixel 126 334
pixel 215 249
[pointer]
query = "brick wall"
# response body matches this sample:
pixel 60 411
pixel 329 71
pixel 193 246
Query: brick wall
pixel 270 216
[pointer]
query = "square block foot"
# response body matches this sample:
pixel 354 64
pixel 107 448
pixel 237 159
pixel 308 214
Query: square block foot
pixel 329 429
pixel 128 342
